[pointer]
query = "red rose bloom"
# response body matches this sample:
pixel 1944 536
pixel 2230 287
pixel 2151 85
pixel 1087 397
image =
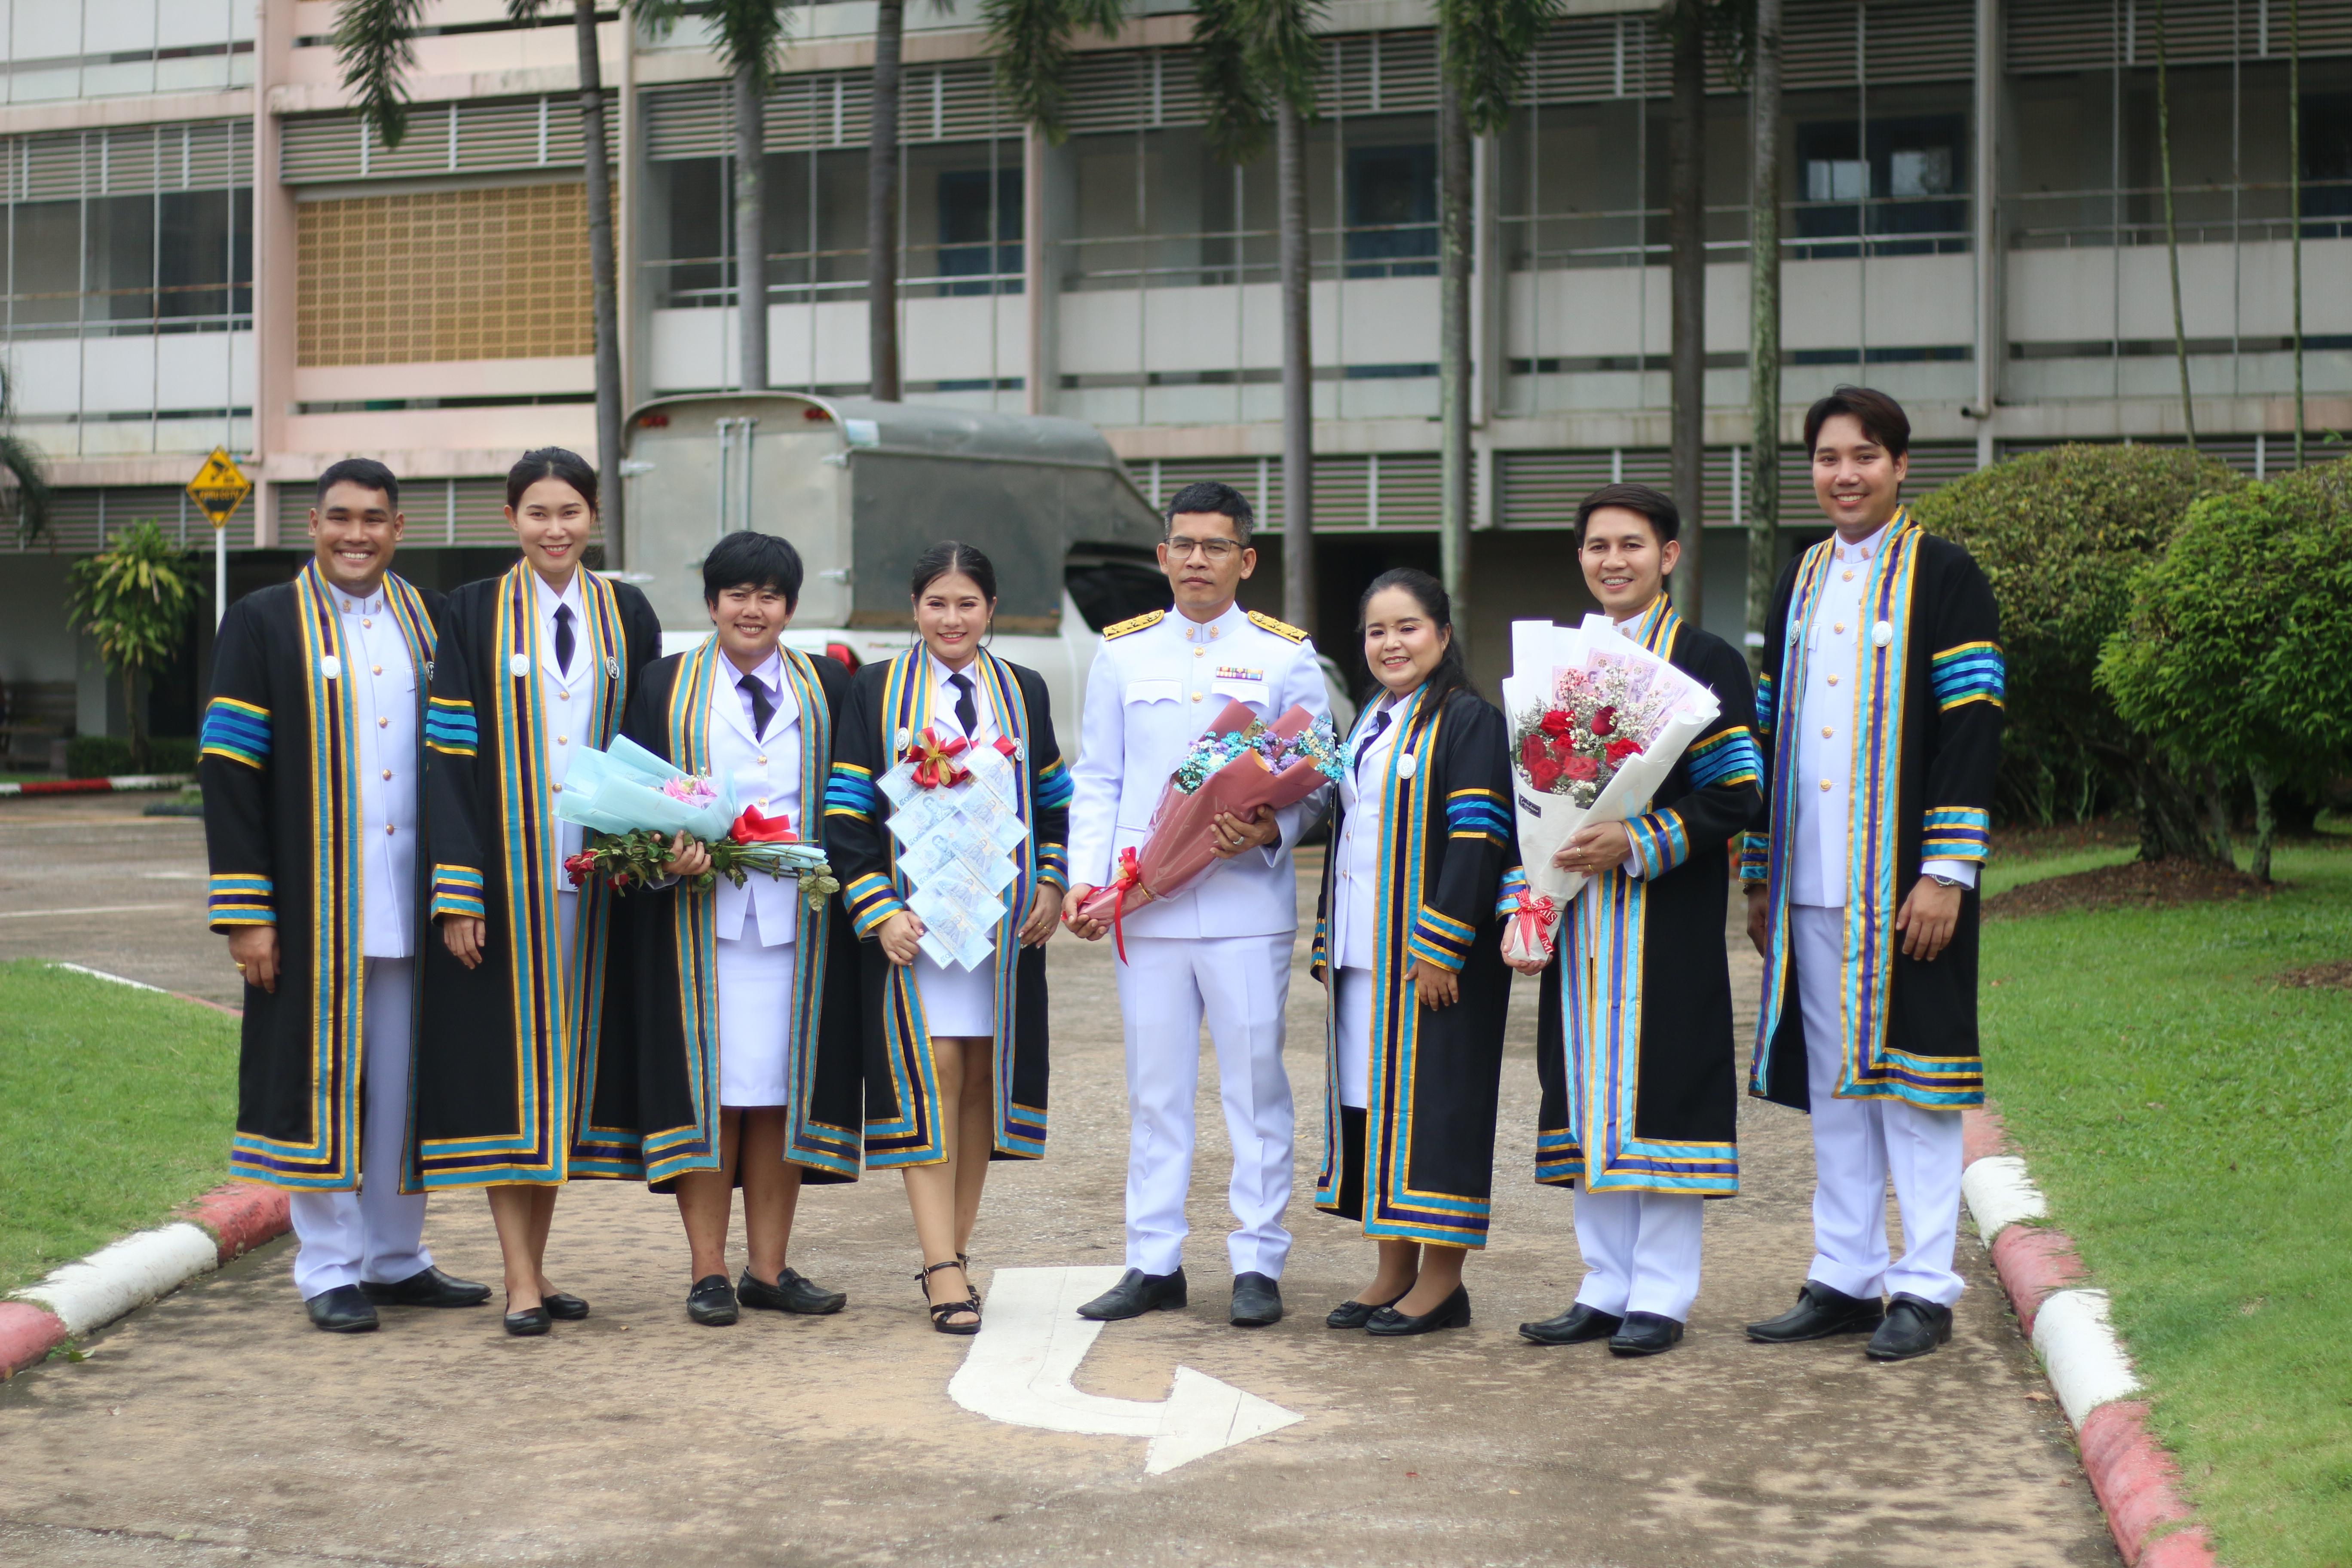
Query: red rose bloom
pixel 1564 748
pixel 1556 722
pixel 1583 768
pixel 1605 721
pixel 1544 773
pixel 1619 749
pixel 1531 753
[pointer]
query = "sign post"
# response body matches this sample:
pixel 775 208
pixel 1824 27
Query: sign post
pixel 219 487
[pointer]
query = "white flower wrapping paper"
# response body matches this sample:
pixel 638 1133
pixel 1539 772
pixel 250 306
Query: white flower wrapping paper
pixel 1541 650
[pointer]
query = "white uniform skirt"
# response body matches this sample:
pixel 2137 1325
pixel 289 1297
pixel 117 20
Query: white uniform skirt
pixel 1354 1001
pixel 958 1004
pixel 755 1004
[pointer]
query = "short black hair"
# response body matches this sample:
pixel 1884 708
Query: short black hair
pixel 364 472
pixel 1880 418
pixel 948 558
pixel 1213 495
pixel 1666 521
pixel 744 559
pixel 552 463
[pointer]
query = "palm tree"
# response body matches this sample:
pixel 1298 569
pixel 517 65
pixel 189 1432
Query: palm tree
pixel 749 33
pixel 133 597
pixel 24 479
pixel 1764 320
pixel 374 44
pixel 1259 62
pixel 2172 233
pixel 1686 25
pixel 1483 49
pixel 882 204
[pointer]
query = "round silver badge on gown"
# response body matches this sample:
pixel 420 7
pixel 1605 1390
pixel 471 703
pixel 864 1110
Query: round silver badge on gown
pixel 518 666
pixel 906 737
pixel 1882 633
pixel 331 667
pixel 1408 766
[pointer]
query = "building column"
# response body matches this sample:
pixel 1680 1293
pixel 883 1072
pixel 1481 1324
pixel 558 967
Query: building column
pixel 1040 285
pixel 1992 341
pixel 275 269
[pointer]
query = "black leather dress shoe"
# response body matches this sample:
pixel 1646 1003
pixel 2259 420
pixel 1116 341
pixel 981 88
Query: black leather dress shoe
pixel 530 1320
pixel 429 1288
pixel 1453 1312
pixel 1354 1314
pixel 1573 1327
pixel 1136 1294
pixel 344 1309
pixel 792 1292
pixel 1258 1300
pixel 1914 1326
pixel 711 1302
pixel 1819 1313
pixel 1645 1333
pixel 571 1309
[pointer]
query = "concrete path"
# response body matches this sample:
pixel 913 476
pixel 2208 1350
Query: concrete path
pixel 218 1427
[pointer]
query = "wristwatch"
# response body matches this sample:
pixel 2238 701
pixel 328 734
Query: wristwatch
pixel 1943 881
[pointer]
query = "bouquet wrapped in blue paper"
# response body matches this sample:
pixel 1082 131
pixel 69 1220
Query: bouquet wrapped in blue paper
pixel 637 804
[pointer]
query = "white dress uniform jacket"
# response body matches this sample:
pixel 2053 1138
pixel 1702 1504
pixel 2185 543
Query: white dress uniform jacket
pixel 1157 682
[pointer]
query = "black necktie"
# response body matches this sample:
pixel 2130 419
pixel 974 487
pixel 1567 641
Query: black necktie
pixel 1380 724
pixel 966 711
pixel 563 640
pixel 762 709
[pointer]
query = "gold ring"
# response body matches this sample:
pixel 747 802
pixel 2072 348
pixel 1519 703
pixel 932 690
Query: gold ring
pixel 240 966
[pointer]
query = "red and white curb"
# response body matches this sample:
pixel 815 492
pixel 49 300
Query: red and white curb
pixel 118 782
pixel 2136 1480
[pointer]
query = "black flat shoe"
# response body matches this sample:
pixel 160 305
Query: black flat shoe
pixel 429 1288
pixel 1645 1333
pixel 528 1322
pixel 571 1309
pixel 711 1302
pixel 1819 1313
pixel 1914 1326
pixel 1355 1314
pixel 792 1292
pixel 1136 1294
pixel 943 1310
pixel 1453 1312
pixel 1258 1300
pixel 341 1310
pixel 1573 1327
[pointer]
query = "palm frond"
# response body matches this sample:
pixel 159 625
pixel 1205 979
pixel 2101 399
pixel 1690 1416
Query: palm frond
pixel 1233 89
pixel 748 33
pixel 1484 48
pixel 24 478
pixel 1290 51
pixel 374 48
pixel 1031 41
pixel 524 10
pixel 657 18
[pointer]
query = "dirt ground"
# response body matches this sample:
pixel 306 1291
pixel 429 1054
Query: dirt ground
pixel 2136 884
pixel 217 1428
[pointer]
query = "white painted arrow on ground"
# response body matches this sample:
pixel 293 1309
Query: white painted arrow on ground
pixel 1029 1344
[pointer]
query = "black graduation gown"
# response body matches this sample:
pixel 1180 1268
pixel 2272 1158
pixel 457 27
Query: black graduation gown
pixel 1926 737
pixel 656 1078
pixel 1434 1074
pixel 887 702
pixel 1643 1094
pixel 501 1050
pixel 283 834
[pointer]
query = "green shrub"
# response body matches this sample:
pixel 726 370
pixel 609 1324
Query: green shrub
pixel 105 756
pixel 2060 534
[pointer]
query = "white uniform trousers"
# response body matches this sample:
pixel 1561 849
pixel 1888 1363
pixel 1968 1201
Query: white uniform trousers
pixel 376 1233
pixel 1165 988
pixel 1641 1252
pixel 1858 1143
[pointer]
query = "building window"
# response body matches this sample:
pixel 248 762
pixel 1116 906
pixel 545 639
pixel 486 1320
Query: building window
pixel 2328 166
pixel 980 227
pixel 1392 211
pixel 1907 178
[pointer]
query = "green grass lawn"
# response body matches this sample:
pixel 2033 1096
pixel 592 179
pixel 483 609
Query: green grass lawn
pixel 116 1107
pixel 2191 1122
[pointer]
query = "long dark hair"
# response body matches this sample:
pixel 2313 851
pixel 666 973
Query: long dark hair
pixel 1451 674
pixel 947 559
pixel 551 463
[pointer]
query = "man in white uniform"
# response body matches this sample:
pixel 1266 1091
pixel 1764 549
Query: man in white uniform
pixel 1221 950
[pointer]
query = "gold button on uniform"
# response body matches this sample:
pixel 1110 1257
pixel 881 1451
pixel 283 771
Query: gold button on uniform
pixel 387 773
pixel 365 622
pixel 1825 731
pixel 1825 784
pixel 1196 696
pixel 1833 680
pixel 387 828
pixel 562 741
pixel 1839 627
pixel 1199 653
pixel 563 697
pixel 1849 577
pixel 383 722
pixel 763 762
pixel 559 788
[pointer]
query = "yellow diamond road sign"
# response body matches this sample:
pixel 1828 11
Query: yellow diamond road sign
pixel 219 485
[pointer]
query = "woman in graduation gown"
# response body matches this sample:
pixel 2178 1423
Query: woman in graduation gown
pixel 1633 1032
pixel 1405 941
pixel 733 1043
pixel 531 668
pixel 955 1056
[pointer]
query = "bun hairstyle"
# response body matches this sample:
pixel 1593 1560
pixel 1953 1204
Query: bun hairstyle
pixel 947 559
pixel 1450 675
pixel 551 463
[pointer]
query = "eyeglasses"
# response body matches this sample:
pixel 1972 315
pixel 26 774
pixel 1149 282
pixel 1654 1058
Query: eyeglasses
pixel 1216 551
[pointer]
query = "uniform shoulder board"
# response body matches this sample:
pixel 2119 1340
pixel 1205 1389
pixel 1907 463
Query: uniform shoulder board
pixel 1151 618
pixel 1260 619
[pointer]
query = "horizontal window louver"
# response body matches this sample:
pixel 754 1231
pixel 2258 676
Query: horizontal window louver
pixel 493 136
pixel 954 102
pixel 1824 43
pixel 465 511
pixel 1396 489
pixel 1543 490
pixel 2059 36
pixel 127 161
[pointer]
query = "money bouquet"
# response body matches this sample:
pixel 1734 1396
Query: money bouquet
pixel 1597 723
pixel 955 810
pixel 1239 763
pixel 637 803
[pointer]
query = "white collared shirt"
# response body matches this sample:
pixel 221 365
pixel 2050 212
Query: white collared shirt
pixel 943 701
pixel 1357 878
pixel 763 768
pixel 382 687
pixel 1835 632
pixel 563 700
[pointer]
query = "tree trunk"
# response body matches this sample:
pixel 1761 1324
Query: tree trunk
pixel 750 230
pixel 2217 805
pixel 603 282
pixel 2169 824
pixel 130 715
pixel 1298 369
pixel 1764 325
pixel 882 204
pixel 1686 236
pixel 1454 368
pixel 2172 233
pixel 2265 818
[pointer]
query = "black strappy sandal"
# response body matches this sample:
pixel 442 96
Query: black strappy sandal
pixel 963 1261
pixel 943 1310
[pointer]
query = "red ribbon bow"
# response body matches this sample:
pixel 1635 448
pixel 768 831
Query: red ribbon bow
pixel 755 827
pixel 1531 921
pixel 1130 874
pixel 934 760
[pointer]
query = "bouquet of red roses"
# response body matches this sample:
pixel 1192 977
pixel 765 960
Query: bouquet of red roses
pixel 1239 763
